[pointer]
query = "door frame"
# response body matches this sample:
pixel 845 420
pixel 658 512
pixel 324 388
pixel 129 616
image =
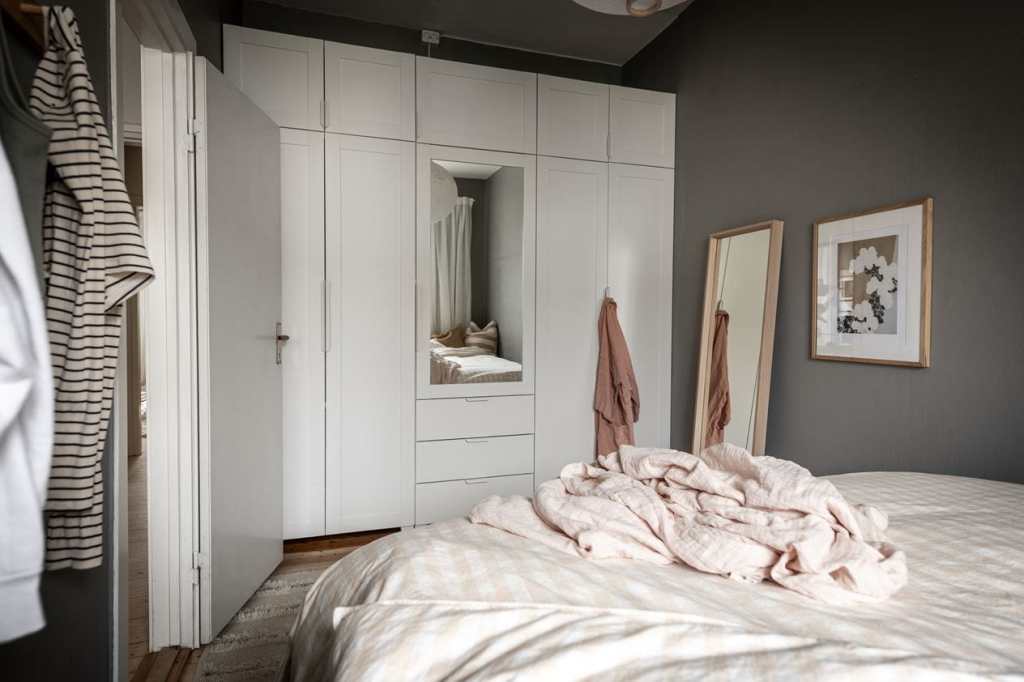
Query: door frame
pixel 167 312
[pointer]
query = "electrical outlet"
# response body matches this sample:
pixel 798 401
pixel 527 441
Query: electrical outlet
pixel 430 37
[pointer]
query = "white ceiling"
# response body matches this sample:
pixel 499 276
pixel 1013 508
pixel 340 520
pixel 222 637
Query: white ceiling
pixel 468 171
pixel 558 27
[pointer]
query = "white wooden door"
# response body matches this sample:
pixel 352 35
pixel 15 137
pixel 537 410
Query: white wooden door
pixel 640 276
pixel 282 74
pixel 370 224
pixel 572 253
pixel 642 127
pixel 572 118
pixel 302 314
pixel 370 92
pixel 238 228
pixel 465 105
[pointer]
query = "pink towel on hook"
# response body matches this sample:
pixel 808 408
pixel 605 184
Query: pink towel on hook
pixel 616 395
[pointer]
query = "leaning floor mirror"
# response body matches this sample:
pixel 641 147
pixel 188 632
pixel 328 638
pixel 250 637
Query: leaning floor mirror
pixel 737 336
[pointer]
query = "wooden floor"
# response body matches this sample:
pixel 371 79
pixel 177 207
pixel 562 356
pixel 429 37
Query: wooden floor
pixel 181 665
pixel 138 558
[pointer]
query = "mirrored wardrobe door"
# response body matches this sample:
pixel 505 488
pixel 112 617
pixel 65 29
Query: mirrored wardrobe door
pixel 475 272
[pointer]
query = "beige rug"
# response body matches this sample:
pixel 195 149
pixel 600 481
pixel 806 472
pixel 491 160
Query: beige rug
pixel 254 645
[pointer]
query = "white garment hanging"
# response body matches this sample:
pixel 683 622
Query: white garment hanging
pixel 95 261
pixel 26 420
pixel 452 240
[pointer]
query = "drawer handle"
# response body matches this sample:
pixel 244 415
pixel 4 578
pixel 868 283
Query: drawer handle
pixel 476 400
pixel 479 481
pixel 476 441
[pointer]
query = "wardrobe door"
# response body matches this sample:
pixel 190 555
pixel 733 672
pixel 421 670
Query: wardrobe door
pixel 572 252
pixel 281 74
pixel 370 92
pixel 572 118
pixel 642 127
pixel 465 105
pixel 370 192
pixel 302 316
pixel 640 277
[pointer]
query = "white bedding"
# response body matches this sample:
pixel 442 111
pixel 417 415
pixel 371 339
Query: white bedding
pixel 463 601
pixel 470 365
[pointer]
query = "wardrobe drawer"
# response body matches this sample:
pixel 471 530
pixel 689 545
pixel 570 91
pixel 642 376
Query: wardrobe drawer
pixel 446 418
pixel 452 499
pixel 446 460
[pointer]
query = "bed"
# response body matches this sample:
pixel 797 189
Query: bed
pixel 463 601
pixel 470 365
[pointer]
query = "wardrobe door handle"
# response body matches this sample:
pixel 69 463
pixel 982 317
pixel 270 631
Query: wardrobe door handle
pixel 479 481
pixel 476 441
pixel 476 400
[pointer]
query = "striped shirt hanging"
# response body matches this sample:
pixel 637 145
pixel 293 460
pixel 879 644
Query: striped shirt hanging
pixel 94 260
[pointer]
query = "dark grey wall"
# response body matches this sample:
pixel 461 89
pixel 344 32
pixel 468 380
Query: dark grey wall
pixel 272 17
pixel 505 259
pixel 800 109
pixel 75 644
pixel 206 18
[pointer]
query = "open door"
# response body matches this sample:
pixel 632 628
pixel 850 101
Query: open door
pixel 238 246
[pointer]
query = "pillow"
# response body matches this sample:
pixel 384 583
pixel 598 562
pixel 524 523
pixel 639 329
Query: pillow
pixel 453 338
pixel 485 339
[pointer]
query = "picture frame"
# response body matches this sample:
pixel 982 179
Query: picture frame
pixel 871 293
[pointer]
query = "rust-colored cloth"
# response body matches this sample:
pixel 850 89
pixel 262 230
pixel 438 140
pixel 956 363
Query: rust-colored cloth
pixel 616 395
pixel 719 407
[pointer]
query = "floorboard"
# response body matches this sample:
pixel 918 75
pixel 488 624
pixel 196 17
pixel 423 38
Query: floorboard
pixel 175 664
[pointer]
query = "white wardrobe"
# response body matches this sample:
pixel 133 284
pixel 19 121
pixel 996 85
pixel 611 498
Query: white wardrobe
pixel 371 441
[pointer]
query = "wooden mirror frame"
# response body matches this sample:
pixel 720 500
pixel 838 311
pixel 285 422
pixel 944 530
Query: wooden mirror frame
pixel 764 369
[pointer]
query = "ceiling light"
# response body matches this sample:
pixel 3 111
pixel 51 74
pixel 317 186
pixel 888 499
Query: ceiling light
pixel 635 8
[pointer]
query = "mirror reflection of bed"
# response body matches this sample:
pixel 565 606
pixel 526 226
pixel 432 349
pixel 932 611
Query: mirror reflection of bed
pixel 476 235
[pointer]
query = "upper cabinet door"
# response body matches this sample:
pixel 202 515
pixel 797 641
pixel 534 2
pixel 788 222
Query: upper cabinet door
pixel 282 74
pixel 464 105
pixel 572 118
pixel 370 92
pixel 643 127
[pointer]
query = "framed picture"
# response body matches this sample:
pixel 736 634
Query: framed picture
pixel 871 286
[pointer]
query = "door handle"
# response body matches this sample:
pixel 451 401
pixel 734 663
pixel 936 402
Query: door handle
pixel 475 441
pixel 479 481
pixel 476 400
pixel 279 340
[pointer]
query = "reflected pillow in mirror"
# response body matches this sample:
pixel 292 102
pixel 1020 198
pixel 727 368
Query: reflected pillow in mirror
pixel 453 338
pixel 485 339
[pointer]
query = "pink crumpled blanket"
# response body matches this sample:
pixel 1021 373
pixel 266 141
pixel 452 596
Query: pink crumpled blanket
pixel 724 512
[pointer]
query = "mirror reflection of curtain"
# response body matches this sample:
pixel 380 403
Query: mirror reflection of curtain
pixel 451 239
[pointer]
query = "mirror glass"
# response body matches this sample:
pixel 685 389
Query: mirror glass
pixel 476 257
pixel 732 405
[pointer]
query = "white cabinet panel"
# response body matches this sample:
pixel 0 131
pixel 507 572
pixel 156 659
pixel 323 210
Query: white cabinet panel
pixel 572 252
pixel 302 359
pixel 572 118
pixel 465 105
pixel 282 74
pixel 640 276
pixel 446 460
pixel 370 92
pixel 451 499
pixel 370 350
pixel 475 417
pixel 643 127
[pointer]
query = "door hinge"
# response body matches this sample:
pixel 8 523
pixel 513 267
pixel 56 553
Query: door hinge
pixel 193 126
pixel 200 562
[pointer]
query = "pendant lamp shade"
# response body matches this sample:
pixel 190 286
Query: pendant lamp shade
pixel 635 8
